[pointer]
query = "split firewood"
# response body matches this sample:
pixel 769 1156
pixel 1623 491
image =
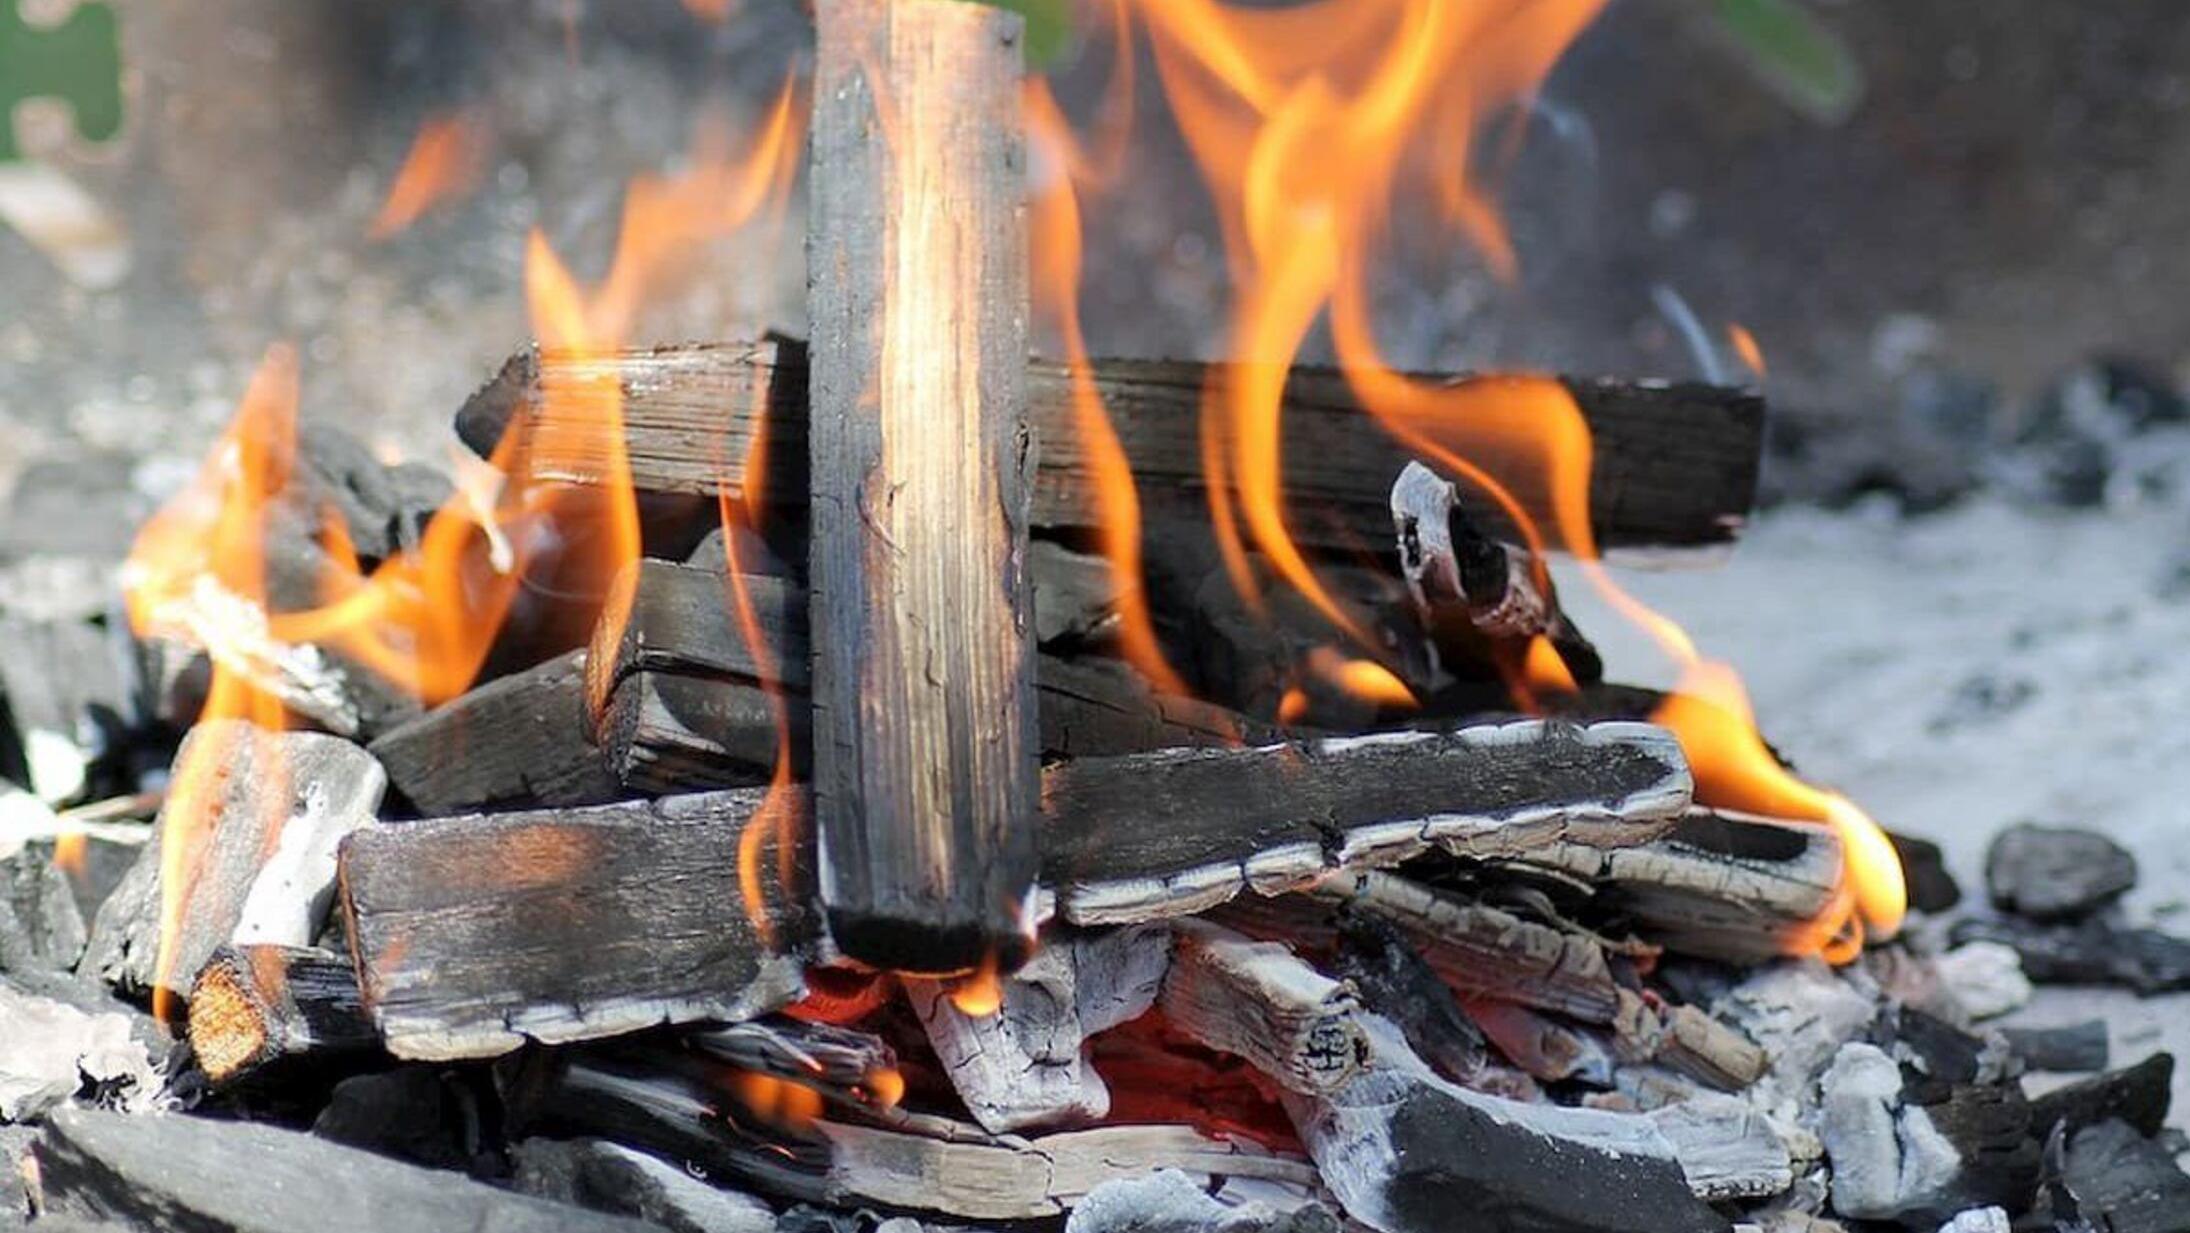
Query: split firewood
pixel 1469 587
pixel 1720 885
pixel 259 852
pixel 171 1171
pixel 1178 832
pixel 1259 1001
pixel 1022 1064
pixel 969 1175
pixel 925 762
pixel 522 739
pixel 255 1007
pixel 1405 1152
pixel 473 934
pixel 682 701
pixel 1674 464
pixel 1396 982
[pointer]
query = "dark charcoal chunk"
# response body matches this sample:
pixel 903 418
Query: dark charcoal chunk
pixel 1931 888
pixel 2135 1094
pixel 2072 1048
pixel 2090 952
pixel 422 1114
pixel 2114 1180
pixel 2056 873
pixel 1397 982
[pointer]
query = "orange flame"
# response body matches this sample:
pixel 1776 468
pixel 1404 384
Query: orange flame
pixel 717 11
pixel 777 1102
pixel 1305 119
pixel 980 993
pixel 443 167
pixel 1745 346
pixel 70 852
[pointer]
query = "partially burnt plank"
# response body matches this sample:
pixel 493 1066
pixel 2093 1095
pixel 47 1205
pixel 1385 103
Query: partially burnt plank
pixel 665 733
pixel 168 1171
pixel 258 1007
pixel 522 739
pixel 1675 464
pixel 1261 1002
pixel 1720 885
pixel 925 764
pixel 1181 831
pixel 473 934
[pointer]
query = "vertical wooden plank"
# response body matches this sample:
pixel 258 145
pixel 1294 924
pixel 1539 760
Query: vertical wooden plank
pixel 924 761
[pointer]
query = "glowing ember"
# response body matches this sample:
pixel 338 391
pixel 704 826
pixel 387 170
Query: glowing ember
pixel 980 993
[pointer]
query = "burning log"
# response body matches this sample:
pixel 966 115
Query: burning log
pixel 686 705
pixel 1022 1064
pixel 840 1063
pixel 1470 587
pixel 1178 832
pixel 1720 885
pixel 254 1007
pixel 1405 1151
pixel 958 1171
pixel 171 1171
pixel 523 739
pixel 1258 1001
pixel 925 755
pixel 1675 464
pixel 472 934
pixel 259 858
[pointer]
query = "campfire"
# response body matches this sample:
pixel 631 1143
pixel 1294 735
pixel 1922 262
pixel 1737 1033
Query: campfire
pixel 876 777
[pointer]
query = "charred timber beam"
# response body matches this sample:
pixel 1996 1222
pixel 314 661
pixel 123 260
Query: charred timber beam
pixel 473 934
pixel 1676 464
pixel 924 735
pixel 1181 831
pixel 522 739
pixel 257 1007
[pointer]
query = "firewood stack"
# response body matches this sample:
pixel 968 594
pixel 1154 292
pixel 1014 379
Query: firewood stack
pixel 838 860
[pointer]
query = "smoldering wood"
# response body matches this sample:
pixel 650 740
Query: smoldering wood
pixel 1171 1202
pixel 1024 1065
pixel 2111 1178
pixel 255 1008
pixel 1486 953
pixel 1260 1002
pixel 925 754
pixel 838 1061
pixel 682 702
pixel 2137 1094
pixel 522 739
pixel 1394 981
pixel 2095 951
pixel 1470 587
pixel 1720 885
pixel 1675 464
pixel 173 1171
pixel 1178 832
pixel 968 1174
pixel 1542 1045
pixel 473 934
pixel 259 857
pixel 1694 1044
pixel 1726 1148
pixel 1404 1151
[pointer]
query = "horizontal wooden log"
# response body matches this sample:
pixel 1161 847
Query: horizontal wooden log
pixel 173 1172
pixel 1260 1002
pixel 257 1007
pixel 522 739
pixel 1675 464
pixel 1179 832
pixel 1720 885
pixel 474 934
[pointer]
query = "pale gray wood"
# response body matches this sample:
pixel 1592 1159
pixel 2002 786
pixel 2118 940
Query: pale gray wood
pixel 1260 1002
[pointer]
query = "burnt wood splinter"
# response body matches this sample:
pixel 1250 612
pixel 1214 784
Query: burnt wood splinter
pixel 924 772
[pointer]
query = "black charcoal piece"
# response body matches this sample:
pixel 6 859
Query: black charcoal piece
pixel 2056 873
pixel 2114 1180
pixel 1924 868
pixel 2135 1094
pixel 2072 1048
pixel 2095 951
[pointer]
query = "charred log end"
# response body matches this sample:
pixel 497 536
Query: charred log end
pixel 924 946
pixel 227 1023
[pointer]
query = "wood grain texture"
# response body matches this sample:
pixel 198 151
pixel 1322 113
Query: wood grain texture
pixel 1676 463
pixel 255 1007
pixel 522 739
pixel 924 752
pixel 473 934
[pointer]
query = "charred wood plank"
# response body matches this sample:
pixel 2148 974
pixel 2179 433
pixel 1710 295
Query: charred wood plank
pixel 1720 885
pixel 1259 1001
pixel 1395 981
pixel 174 1172
pixel 1178 832
pixel 258 861
pixel 924 754
pixel 473 934
pixel 257 1007
pixel 1405 1152
pixel 522 739
pixel 1675 464
pixel 2138 1095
